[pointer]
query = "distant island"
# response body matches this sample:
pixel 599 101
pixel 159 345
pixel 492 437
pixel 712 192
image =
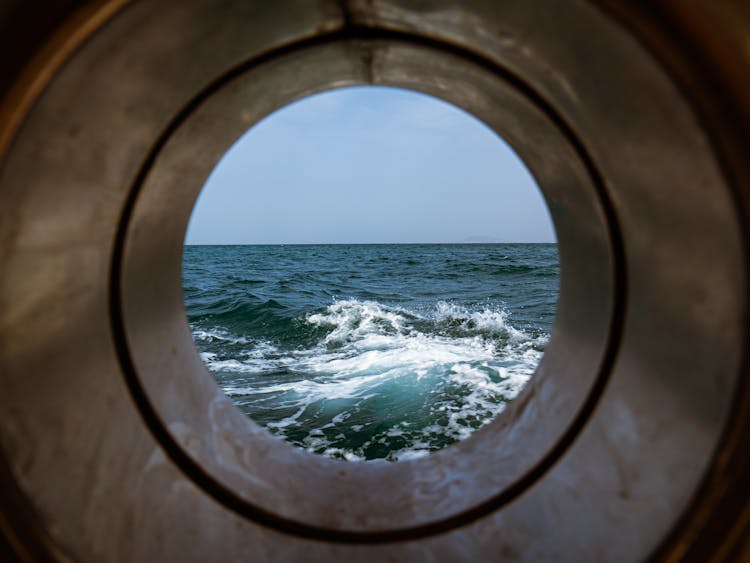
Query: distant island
pixel 483 239
pixel 480 239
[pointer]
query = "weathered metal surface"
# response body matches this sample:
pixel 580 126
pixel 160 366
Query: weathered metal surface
pixel 446 484
pixel 119 446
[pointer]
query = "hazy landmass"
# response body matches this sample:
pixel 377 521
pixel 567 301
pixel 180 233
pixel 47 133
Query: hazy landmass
pixel 480 239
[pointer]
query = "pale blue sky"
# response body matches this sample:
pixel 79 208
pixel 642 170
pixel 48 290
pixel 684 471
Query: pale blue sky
pixel 369 165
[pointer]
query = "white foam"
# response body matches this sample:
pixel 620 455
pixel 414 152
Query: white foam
pixel 371 345
pixel 352 318
pixel 486 320
pixel 218 334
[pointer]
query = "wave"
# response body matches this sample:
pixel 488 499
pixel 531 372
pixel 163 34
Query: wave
pixel 453 369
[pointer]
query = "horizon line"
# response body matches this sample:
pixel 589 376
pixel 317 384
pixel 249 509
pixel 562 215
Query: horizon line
pixel 354 243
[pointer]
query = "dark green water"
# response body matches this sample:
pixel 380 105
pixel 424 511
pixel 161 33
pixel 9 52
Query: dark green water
pixel 371 351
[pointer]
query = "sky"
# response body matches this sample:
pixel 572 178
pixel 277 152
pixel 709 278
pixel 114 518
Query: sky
pixel 369 165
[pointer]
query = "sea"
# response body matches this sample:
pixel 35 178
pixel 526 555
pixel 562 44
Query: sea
pixel 374 351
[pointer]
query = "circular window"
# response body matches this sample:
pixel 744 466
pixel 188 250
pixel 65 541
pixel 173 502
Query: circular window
pixel 236 459
pixel 371 273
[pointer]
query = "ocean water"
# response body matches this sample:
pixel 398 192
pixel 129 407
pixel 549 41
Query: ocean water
pixel 364 352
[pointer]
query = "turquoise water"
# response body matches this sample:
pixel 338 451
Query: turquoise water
pixel 371 351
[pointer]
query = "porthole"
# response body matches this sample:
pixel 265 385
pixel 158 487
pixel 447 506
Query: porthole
pixel 338 289
pixel 223 447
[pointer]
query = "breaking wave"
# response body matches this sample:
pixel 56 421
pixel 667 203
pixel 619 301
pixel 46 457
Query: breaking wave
pixel 457 367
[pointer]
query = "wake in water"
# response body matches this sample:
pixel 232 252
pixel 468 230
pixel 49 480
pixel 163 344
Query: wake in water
pixel 371 351
pixel 451 369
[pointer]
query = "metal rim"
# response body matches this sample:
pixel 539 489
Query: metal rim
pixel 225 495
pixel 691 528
